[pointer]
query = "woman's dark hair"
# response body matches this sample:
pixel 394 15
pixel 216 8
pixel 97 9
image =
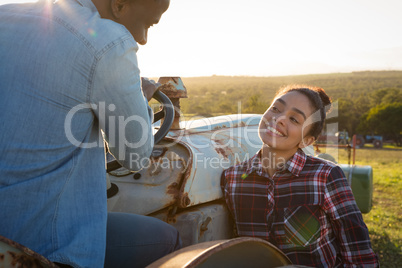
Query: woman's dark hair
pixel 319 100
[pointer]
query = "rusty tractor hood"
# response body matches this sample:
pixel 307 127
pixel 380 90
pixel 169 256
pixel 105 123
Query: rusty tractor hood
pixel 185 168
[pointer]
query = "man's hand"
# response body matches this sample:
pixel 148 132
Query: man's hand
pixel 149 87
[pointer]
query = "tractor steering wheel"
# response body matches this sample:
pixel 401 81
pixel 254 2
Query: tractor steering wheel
pixel 167 112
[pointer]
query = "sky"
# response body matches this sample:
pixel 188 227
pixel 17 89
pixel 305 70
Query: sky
pixel 270 38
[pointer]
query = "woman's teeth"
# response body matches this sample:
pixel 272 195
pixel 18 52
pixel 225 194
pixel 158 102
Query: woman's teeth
pixel 273 130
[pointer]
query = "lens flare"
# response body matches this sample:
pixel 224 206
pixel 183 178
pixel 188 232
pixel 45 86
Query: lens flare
pixel 92 32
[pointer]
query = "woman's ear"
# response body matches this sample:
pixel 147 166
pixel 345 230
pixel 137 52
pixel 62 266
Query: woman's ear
pixel 118 7
pixel 306 141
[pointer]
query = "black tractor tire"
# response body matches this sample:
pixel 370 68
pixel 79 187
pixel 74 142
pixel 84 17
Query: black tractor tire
pixel 377 144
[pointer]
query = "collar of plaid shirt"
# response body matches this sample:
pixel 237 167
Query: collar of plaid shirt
pixel 294 165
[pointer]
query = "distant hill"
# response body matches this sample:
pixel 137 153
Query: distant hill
pixel 222 94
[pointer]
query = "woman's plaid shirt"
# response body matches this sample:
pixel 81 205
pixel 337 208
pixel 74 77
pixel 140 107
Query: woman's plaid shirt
pixel 307 210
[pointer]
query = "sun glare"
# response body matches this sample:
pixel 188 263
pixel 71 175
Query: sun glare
pixel 260 38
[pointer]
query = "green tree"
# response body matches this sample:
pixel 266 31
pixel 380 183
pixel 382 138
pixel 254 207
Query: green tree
pixel 226 108
pixel 255 105
pixel 348 118
pixel 361 105
pixel 385 119
pixel 393 95
pixel 385 96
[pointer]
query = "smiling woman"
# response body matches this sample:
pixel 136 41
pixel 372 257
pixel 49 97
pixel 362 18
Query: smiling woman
pixel 301 204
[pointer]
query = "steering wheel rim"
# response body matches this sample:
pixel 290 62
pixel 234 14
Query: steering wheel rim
pixel 167 113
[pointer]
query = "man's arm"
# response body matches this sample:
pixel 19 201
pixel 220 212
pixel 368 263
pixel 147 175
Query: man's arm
pixel 120 106
pixel 347 221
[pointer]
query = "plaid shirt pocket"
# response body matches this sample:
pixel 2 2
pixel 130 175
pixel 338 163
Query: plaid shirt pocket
pixel 302 225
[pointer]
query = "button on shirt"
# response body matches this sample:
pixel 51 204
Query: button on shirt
pixel 307 210
pixel 65 74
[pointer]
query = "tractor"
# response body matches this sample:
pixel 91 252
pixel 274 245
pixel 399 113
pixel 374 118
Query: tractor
pixel 376 140
pixel 180 184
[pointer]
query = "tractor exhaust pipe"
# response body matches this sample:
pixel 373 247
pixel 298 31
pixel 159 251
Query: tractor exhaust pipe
pixel 174 88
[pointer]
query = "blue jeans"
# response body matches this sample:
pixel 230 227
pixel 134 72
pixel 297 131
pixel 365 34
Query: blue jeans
pixel 137 241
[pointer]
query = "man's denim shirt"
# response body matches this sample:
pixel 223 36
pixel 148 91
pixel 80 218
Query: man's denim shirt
pixel 65 75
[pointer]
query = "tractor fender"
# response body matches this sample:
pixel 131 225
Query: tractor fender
pixel 327 157
pixel 361 181
pixel 237 252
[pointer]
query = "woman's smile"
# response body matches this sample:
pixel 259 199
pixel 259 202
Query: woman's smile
pixel 274 132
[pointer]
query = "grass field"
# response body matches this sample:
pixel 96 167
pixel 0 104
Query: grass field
pixel 384 221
